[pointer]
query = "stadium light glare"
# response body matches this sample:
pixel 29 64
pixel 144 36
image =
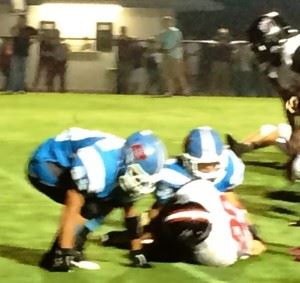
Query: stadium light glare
pixel 78 20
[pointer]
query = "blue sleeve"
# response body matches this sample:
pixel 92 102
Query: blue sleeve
pixel 174 177
pixel 164 192
pixel 234 173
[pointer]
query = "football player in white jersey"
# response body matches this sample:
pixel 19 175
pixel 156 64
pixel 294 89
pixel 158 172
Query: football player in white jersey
pixel 90 173
pixel 203 228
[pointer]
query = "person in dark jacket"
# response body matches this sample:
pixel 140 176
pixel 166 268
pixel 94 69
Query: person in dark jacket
pixel 21 41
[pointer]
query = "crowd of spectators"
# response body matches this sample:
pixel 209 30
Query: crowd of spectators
pixel 167 64
pixel 14 51
pixel 152 66
pixel 163 64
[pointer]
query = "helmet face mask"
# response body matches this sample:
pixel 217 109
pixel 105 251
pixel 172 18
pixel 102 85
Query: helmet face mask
pixel 144 156
pixel 136 182
pixel 208 167
pixel 198 169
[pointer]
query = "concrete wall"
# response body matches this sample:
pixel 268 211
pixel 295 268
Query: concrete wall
pixel 87 71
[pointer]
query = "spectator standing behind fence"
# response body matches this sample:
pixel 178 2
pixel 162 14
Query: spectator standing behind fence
pixel 45 58
pixel 153 59
pixel 170 40
pixel 21 41
pixel 220 69
pixel 242 70
pixel 138 76
pixel 124 60
pixel 192 63
pixel 58 64
pixel 6 52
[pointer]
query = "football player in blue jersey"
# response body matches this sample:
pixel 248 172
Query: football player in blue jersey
pixel 90 173
pixel 204 157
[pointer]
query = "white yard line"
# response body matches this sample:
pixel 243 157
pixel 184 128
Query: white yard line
pixel 196 273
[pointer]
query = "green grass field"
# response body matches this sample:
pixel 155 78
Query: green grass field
pixel 28 220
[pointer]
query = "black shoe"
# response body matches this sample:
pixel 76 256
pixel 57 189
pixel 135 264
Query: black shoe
pixel 78 256
pixel 46 260
pixel 238 148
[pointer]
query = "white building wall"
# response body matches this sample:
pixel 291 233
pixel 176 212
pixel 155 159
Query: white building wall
pixel 87 71
pixel 7 20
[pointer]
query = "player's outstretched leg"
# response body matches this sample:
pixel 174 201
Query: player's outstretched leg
pixel 238 148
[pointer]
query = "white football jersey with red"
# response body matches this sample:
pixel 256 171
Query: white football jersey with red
pixel 230 237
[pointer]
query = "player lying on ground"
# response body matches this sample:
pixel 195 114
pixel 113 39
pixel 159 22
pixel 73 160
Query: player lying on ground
pixel 277 48
pixel 204 157
pixel 281 136
pixel 90 173
pixel 199 225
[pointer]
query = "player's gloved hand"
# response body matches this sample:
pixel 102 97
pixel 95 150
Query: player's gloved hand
pixel 58 260
pixel 138 259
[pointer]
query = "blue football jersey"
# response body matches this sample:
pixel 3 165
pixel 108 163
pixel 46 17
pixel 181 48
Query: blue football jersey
pixel 94 158
pixel 174 175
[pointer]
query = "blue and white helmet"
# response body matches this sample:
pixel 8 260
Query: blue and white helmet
pixel 144 157
pixel 203 145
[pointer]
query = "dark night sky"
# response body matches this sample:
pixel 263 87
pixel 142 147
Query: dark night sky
pixel 237 16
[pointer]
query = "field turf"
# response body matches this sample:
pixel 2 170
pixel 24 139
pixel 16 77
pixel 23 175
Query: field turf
pixel 28 220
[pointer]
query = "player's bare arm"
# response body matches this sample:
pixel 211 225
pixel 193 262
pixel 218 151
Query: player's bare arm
pixel 70 218
pixel 132 221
